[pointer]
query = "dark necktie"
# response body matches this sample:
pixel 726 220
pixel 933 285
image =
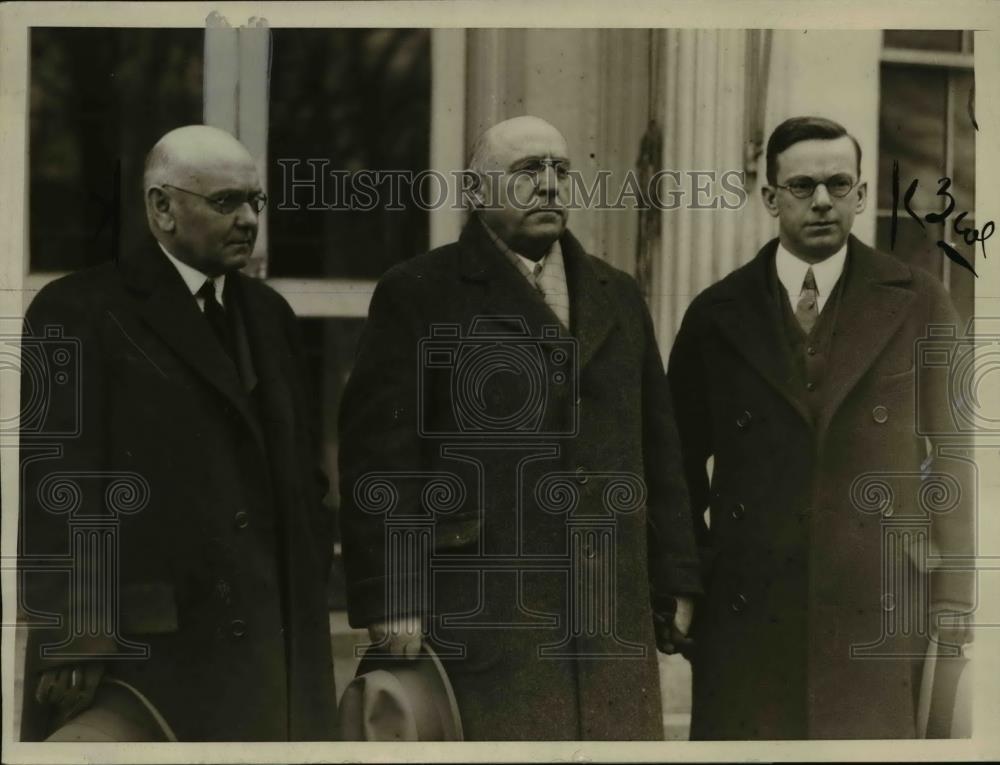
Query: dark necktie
pixel 807 309
pixel 216 316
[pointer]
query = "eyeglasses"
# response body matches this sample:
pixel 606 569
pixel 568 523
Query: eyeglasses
pixel 535 167
pixel 803 187
pixel 230 201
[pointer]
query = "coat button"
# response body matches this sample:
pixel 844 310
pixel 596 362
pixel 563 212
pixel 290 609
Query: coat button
pixel 241 519
pixel 739 510
pixel 743 421
pixel 581 476
pixel 810 385
pixel 739 602
pixel 880 414
pixel 239 628
pixel 811 350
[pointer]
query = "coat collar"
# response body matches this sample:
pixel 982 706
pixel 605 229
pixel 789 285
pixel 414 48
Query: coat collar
pixel 875 300
pixel 508 293
pixel 167 307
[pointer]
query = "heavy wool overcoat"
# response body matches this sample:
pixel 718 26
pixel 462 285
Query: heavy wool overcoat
pixel 815 538
pixel 222 570
pixel 551 520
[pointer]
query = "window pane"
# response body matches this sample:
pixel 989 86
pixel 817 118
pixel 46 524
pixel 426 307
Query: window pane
pixel 355 99
pixel 100 97
pixel 912 131
pixel 923 39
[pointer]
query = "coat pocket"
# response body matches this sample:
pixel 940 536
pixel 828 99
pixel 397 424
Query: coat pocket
pixel 148 608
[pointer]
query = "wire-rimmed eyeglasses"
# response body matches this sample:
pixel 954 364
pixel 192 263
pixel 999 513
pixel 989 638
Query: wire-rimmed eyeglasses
pixel 230 201
pixel 803 187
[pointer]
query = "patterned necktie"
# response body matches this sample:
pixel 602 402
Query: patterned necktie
pixel 216 316
pixel 550 280
pixel 807 309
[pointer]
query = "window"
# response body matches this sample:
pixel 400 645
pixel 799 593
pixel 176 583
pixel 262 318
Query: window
pixel 348 99
pixel 99 99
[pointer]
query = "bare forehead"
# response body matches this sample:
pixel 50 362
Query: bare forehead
pixel 819 156
pixel 218 172
pixel 512 143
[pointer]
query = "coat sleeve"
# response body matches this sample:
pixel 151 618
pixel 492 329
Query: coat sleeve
pixel 952 529
pixel 378 435
pixel 63 453
pixel 688 383
pixel 672 553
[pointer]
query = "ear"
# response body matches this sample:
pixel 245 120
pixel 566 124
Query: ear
pixel 862 200
pixel 769 195
pixel 159 208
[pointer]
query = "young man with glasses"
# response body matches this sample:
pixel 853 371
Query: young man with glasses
pixel 798 375
pixel 190 387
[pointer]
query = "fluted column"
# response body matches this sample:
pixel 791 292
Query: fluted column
pixel 702 115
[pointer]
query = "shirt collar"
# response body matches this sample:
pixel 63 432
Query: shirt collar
pixel 526 266
pixel 193 278
pixel 792 271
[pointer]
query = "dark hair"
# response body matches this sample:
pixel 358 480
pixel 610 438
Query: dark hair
pixel 797 129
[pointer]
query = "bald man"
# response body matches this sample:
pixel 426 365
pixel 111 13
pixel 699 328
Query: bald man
pixel 190 394
pixel 559 551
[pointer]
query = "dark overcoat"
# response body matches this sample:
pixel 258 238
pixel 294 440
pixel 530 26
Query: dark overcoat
pixel 223 561
pixel 815 541
pixel 556 484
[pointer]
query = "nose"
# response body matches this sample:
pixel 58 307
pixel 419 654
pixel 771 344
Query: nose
pixel 821 198
pixel 548 182
pixel 246 215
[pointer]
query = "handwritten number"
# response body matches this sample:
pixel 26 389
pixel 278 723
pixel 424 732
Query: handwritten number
pixel 908 198
pixel 943 185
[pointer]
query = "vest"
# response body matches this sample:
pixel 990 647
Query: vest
pixel 808 353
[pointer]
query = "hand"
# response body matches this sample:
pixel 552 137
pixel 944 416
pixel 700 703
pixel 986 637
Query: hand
pixel 69 689
pixel 402 637
pixel 671 633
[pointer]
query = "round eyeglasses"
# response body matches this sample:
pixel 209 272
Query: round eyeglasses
pixel 230 201
pixel 803 187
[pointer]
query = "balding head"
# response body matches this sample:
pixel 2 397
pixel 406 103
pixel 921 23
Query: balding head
pixel 496 143
pixel 522 165
pixel 199 183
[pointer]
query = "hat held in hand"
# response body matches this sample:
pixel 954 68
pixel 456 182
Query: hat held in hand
pixel 394 698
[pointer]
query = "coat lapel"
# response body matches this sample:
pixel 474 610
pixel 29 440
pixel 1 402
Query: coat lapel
pixel 874 304
pixel 509 298
pixel 747 315
pixel 169 309
pixel 592 313
pixel 509 301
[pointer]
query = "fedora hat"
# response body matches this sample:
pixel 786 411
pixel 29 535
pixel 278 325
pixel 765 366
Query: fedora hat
pixel 118 712
pixel 393 698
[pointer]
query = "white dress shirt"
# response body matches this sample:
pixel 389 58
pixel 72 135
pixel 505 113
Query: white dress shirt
pixel 792 273
pixel 195 279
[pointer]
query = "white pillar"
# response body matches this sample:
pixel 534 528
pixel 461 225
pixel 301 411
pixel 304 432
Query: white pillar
pixel 703 76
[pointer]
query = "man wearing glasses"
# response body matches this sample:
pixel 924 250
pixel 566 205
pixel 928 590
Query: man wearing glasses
pixel 190 391
pixel 796 375
pixel 546 576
